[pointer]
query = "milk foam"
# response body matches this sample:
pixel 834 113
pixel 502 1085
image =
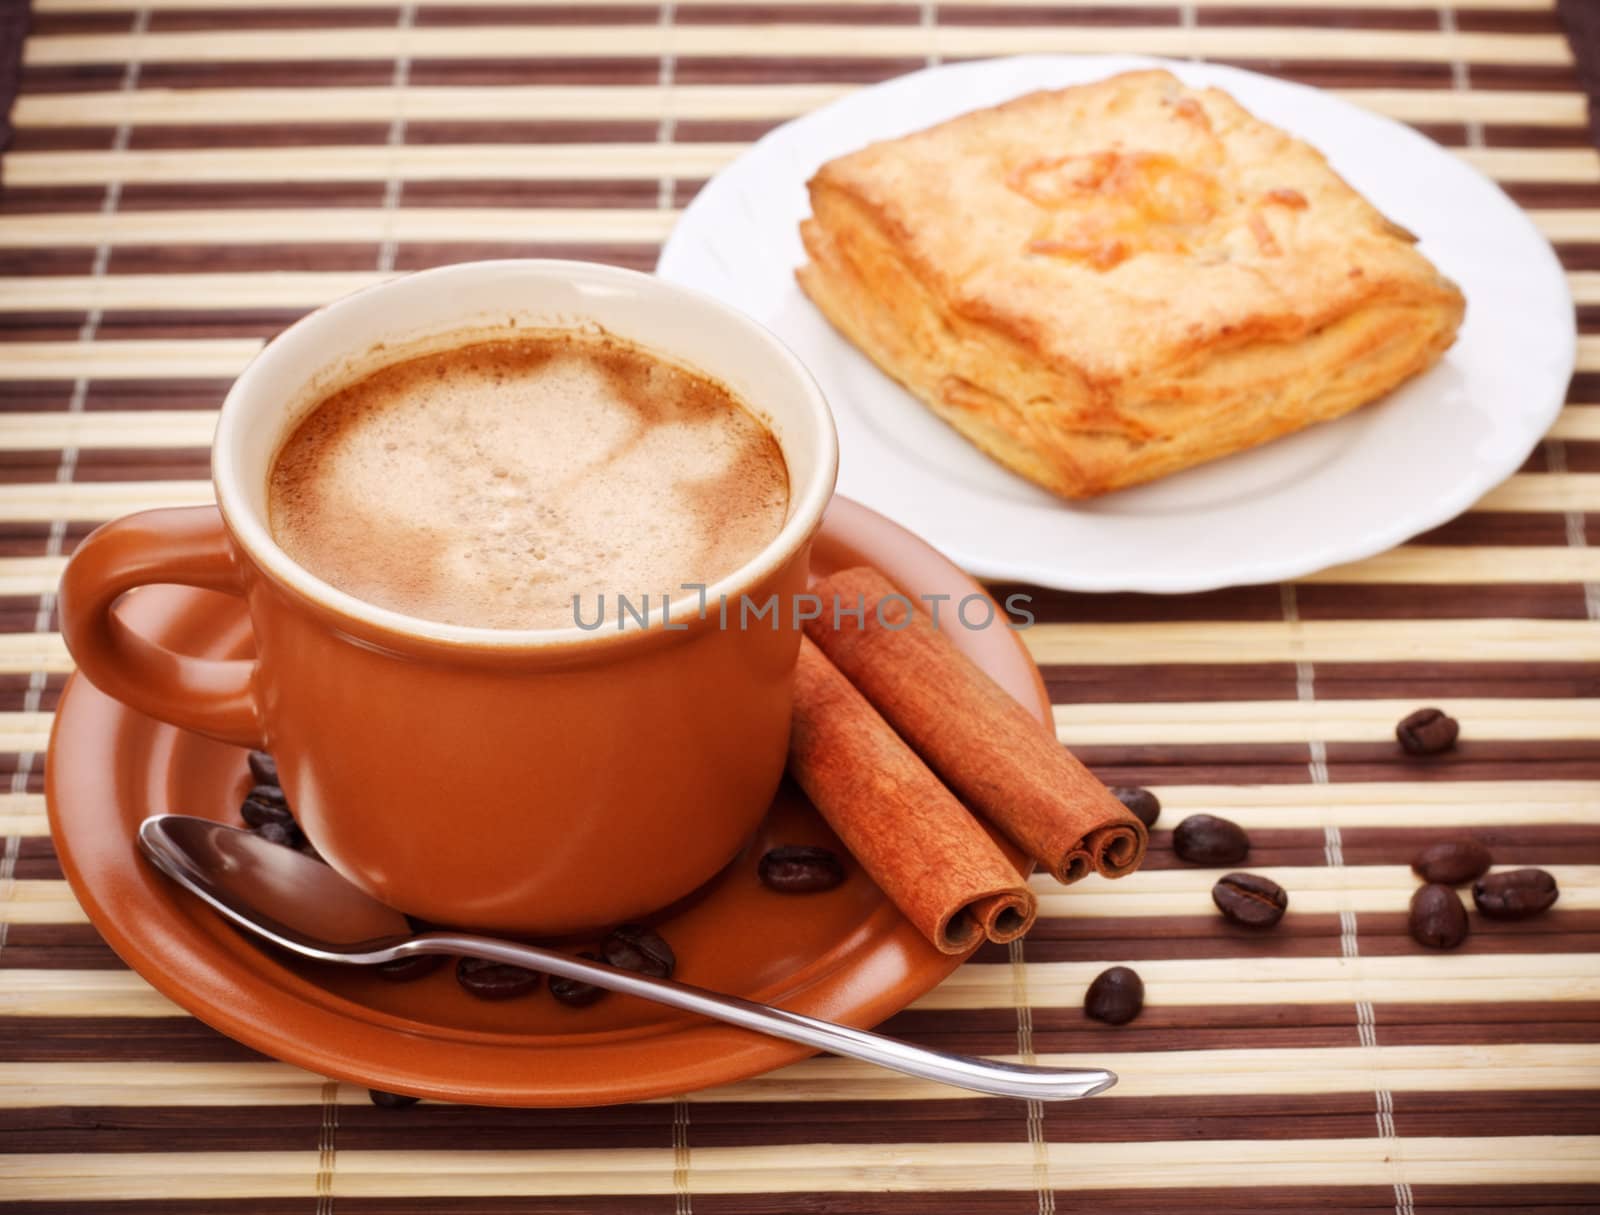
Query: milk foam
pixel 490 484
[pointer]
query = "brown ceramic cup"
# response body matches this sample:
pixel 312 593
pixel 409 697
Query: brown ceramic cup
pixel 540 781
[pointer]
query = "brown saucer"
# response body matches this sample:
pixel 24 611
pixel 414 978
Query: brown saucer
pixel 846 955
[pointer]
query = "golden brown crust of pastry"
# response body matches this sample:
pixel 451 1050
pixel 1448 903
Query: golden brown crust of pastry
pixel 1104 284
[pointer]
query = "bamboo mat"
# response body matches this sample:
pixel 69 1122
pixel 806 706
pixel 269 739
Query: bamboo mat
pixel 188 176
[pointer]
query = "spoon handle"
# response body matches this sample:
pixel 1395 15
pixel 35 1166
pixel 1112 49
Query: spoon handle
pixel 963 1071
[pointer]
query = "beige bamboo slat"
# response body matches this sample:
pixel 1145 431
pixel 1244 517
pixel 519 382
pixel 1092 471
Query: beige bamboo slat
pixel 1413 564
pixel 1173 722
pixel 542 162
pixel 307 289
pixel 189 292
pixel 167 1082
pixel 172 1176
pixel 22 731
pixel 1407 566
pixel 1277 721
pixel 1581 422
pixel 342 225
pixel 177 358
pixel 830 1168
pixel 945 1166
pixel 1444 805
pixel 423 103
pixel 25 652
pixel 1447 806
pixel 1208 982
pixel 1585 286
pixel 1482 640
pixel 796 40
pixel 94 500
pixel 1229 642
pixel 1542 1067
pixel 1589 351
pixel 163 428
pixel 1338 1069
pixel 1320 891
pixel 1567 225
pixel 39 901
pixel 380 162
pixel 488 103
pixel 30 575
pixel 22 814
pixel 120 6
pixel 313 225
pixel 1327 891
pixel 1572 165
pixel 1218 982
pixel 1532 492
pixel 81 993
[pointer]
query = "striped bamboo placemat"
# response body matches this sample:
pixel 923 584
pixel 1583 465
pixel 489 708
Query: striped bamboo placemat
pixel 187 176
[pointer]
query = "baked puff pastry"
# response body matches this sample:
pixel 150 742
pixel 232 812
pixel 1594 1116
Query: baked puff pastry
pixel 1104 284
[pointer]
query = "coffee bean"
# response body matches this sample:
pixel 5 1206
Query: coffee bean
pixel 1250 899
pixel 404 970
pixel 1115 997
pixel 263 768
pixel 265 804
pixel 575 993
pixel 1205 839
pixel 495 980
pixel 1437 918
pixel 635 947
pixel 1452 861
pixel 1515 894
pixel 1427 732
pixel 1145 805
pixel 391 1101
pixel 798 869
pixel 286 834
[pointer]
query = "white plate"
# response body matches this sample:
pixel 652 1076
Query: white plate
pixel 1333 493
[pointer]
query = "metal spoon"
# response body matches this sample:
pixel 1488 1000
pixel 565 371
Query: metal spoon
pixel 304 906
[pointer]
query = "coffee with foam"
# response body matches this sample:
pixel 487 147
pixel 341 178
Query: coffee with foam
pixel 491 484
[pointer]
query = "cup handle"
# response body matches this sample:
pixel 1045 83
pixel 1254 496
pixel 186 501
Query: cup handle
pixel 187 546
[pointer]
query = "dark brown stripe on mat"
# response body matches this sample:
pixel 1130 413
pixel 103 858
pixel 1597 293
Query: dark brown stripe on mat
pixel 431 131
pixel 1161 683
pixel 781 70
pixel 637 194
pixel 1260 1200
pixel 803 14
pixel 253 17
pixel 1125 1120
pixel 423 256
pixel 577 14
pixel 1397 601
pixel 228 258
pixel 1311 18
pixel 166 137
pixel 126 1039
pixel 642 70
pixel 956 15
pixel 434 1126
pixel 1511 528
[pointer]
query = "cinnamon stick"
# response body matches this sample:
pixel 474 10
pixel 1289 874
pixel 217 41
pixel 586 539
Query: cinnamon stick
pixel 993 753
pixel 921 845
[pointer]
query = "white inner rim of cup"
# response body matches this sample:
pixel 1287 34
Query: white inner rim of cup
pixel 355 335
